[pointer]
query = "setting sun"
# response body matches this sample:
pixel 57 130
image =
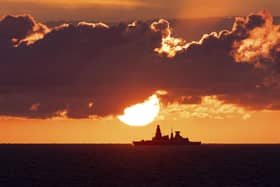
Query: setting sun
pixel 141 114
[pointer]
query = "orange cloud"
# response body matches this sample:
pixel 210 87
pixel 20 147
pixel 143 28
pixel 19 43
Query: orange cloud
pixel 171 45
pixel 93 25
pixel 254 38
pixel 37 32
pixel 259 43
pixel 34 107
pixel 90 105
pixel 210 107
pixel 60 115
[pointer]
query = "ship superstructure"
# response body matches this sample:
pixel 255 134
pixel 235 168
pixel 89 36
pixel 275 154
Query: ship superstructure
pixel 158 139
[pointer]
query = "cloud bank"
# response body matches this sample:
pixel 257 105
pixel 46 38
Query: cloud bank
pixel 92 69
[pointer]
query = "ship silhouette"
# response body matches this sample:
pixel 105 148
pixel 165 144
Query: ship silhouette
pixel 158 139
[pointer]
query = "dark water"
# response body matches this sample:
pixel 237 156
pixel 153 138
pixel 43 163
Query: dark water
pixel 125 165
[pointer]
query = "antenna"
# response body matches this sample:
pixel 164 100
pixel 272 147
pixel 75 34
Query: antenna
pixel 171 135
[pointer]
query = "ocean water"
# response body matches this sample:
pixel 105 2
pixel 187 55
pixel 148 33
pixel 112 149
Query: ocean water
pixel 126 165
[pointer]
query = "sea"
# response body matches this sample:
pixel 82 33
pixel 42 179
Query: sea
pixel 89 165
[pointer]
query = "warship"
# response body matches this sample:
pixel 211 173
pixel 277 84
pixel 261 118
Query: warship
pixel 158 139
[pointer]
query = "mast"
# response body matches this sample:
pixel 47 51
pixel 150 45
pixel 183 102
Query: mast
pixel 172 136
pixel 158 133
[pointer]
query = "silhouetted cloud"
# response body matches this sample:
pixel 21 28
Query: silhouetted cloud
pixel 20 29
pixel 94 69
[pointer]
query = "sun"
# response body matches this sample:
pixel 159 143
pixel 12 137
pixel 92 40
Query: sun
pixel 141 114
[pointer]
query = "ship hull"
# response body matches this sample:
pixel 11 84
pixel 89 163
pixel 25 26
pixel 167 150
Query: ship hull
pixel 151 143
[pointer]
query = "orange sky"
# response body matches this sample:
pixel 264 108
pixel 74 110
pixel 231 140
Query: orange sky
pixel 112 10
pixel 262 127
pixel 75 3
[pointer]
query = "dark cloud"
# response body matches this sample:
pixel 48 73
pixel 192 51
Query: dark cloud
pixel 232 77
pixel 14 29
pixel 70 66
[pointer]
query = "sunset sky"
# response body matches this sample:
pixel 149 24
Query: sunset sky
pixel 84 72
pixel 113 10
